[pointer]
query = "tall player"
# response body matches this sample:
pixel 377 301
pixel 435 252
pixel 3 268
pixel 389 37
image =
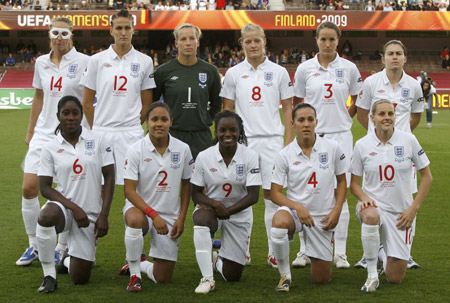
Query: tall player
pixel 56 74
pixel 190 87
pixel 384 158
pixel 311 165
pixel 255 88
pixel 325 82
pixel 122 79
pixel 405 92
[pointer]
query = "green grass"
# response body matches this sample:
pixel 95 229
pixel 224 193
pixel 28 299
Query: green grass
pixel 431 249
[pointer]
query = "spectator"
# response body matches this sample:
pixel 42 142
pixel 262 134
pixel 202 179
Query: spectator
pixel 444 53
pixel 330 6
pixel 155 60
pixel 220 5
pixel 193 5
pixel 369 7
pixel 27 56
pixel 294 54
pixel 202 5
pixel 159 6
pixel 277 59
pixel 50 6
pixel 284 57
pixel 229 6
pixel 340 6
pixel 58 7
pixel 303 56
pixel 445 62
pixel 321 4
pixel 10 60
pixel 443 6
pixel 387 7
pixel 220 62
pixel 168 6
pixel 379 6
pixel 118 5
pixel 270 56
pixel 16 7
pixel 75 7
pixel 237 4
pixel 233 60
pixel 84 5
pixel 7 6
pixel 347 48
pixel 37 6
pixel 183 7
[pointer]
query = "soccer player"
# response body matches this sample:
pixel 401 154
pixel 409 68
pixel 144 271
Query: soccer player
pixel 225 184
pixel 311 165
pixel 56 74
pixel 78 159
pixel 155 167
pixel 325 82
pixel 255 88
pixel 385 203
pixel 405 92
pixel 190 87
pixel 122 79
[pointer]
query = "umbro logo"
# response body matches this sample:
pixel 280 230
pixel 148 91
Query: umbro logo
pixel 213 170
pixel 245 76
pixel 381 91
pixel 373 154
pixel 107 65
pixel 174 78
pixel 60 150
pixel 147 160
pixel 296 163
pixel 316 75
pixel 46 67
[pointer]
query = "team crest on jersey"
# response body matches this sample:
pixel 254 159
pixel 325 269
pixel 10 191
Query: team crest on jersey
pixel 175 158
pixel 72 71
pixel 240 169
pixel 268 76
pixel 90 146
pixel 339 75
pixel 135 67
pixel 202 77
pixel 399 153
pixel 323 159
pixel 405 94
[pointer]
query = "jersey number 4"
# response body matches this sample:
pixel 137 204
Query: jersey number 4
pixel 313 180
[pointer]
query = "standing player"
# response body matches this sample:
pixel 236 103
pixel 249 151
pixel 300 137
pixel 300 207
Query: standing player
pixel 56 74
pixel 255 88
pixel 225 184
pixel 77 158
pixel 325 82
pixel 405 92
pixel 155 167
pixel 190 87
pixel 311 165
pixel 122 79
pixel 385 201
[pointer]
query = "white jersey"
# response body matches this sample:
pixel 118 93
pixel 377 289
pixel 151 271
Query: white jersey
pixel 327 89
pixel 387 168
pixel 407 97
pixel 78 170
pixel 57 82
pixel 118 84
pixel 310 181
pixel 257 95
pixel 225 184
pixel 159 177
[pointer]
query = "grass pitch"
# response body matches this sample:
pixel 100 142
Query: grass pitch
pixel 431 249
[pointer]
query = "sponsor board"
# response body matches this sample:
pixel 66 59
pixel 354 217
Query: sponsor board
pixel 16 98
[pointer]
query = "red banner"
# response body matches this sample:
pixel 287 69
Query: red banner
pixel 235 20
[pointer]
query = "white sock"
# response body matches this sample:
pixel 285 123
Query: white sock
pixel 340 234
pixel 301 236
pixel 147 268
pixel 219 267
pixel 270 210
pixel 203 250
pixel 67 263
pixel 370 239
pixel 62 241
pixel 30 213
pixel 281 250
pixel 134 243
pixel 32 241
pixel 46 242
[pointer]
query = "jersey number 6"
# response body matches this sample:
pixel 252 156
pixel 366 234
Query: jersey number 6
pixel 77 168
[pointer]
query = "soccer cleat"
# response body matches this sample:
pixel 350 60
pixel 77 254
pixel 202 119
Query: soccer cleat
pixel 60 267
pixel 217 244
pixel 206 285
pixel 215 258
pixel 371 285
pixel 248 260
pixel 28 256
pixel 412 264
pixel 57 257
pixel 301 261
pixel 428 125
pixel 271 261
pixel 361 263
pixel 135 284
pixel 48 285
pixel 341 261
pixel 125 270
pixel 284 285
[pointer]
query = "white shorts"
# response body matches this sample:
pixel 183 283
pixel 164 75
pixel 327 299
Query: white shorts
pixel 234 236
pixel 161 246
pixel 345 141
pixel 268 149
pixel 33 156
pixel 121 141
pixel 82 242
pixel 397 243
pixel 318 242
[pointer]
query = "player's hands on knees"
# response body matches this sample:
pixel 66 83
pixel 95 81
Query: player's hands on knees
pixel 101 226
pixel 160 225
pixel 304 216
pixel 177 229
pixel 221 211
pixel 406 219
pixel 80 216
pixel 366 204
pixel 332 219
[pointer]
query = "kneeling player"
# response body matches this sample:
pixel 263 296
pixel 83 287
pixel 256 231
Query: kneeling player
pixel 155 167
pixel 225 184
pixel 310 164
pixel 77 158
pixel 384 158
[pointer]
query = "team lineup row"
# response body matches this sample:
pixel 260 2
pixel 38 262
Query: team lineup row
pixel 227 176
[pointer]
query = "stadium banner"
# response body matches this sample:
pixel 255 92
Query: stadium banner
pixel 16 98
pixel 235 20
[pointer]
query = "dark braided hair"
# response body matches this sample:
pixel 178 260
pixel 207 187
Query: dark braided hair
pixel 229 114
pixel 63 102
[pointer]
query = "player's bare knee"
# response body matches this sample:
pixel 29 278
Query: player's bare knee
pixel 47 217
pixel 371 217
pixel 163 278
pixel 235 277
pixel 30 191
pixel 279 220
pixel 80 280
pixel 321 279
pixel 395 279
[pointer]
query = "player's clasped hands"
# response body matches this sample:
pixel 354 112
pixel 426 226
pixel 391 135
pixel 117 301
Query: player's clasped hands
pixel 304 216
pixel 221 211
pixel 160 225
pixel 80 216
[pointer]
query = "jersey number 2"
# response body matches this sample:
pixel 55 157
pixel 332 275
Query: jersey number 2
pixel 163 181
